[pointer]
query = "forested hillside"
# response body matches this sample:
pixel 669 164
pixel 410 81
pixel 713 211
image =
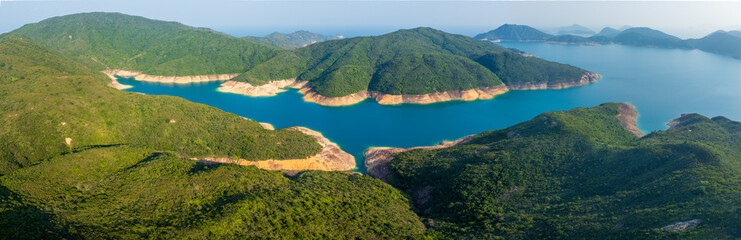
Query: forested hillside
pixel 579 174
pixel 119 41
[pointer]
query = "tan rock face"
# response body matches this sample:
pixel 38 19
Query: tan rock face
pixel 376 158
pixel 627 117
pixel 331 158
pixel 114 83
pixel 139 76
pixel 275 87
pixel 465 95
pixel 269 89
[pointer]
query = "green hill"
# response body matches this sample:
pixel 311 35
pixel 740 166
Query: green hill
pixel 575 29
pixel 119 41
pixel 579 174
pixel 414 61
pixel 124 173
pixel 572 39
pixel 646 37
pixel 720 42
pixel 608 32
pixel 293 40
pixel 513 32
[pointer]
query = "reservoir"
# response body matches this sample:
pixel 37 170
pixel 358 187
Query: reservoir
pixel 660 83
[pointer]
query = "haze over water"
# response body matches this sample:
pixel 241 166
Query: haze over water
pixel 661 83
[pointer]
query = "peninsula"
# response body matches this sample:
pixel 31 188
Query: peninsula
pixel 420 65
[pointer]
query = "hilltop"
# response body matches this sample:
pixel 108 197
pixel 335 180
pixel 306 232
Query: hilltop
pixel 584 173
pixel 513 32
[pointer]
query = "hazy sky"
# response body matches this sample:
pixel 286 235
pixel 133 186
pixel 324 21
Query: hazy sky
pixel 366 17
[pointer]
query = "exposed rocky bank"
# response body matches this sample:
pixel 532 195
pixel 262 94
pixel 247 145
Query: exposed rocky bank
pixel 627 117
pixel 376 158
pixel 587 78
pixel 270 89
pixel 274 87
pixel 330 158
pixel 139 76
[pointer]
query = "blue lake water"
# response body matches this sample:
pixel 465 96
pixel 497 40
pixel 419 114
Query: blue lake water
pixel 661 83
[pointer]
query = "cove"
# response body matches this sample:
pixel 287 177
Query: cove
pixel 660 83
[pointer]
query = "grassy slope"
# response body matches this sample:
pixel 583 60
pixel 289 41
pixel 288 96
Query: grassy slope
pixel 578 175
pixel 115 40
pixel 414 61
pixel 47 98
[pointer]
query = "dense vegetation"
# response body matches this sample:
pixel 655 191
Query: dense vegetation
pixel 513 32
pixel 114 40
pixel 414 61
pixel 124 174
pixel 513 68
pixel 579 174
pixel 293 40
pixel 47 98
pixel 130 193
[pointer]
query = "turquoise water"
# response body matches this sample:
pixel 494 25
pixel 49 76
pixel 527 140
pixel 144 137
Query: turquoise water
pixel 661 83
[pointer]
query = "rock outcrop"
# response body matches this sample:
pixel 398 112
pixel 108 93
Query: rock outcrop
pixel 682 226
pixel 139 76
pixel 270 89
pixel 376 158
pixel 587 78
pixel 330 158
pixel 312 96
pixel 114 83
pixel 627 117
pixel 464 95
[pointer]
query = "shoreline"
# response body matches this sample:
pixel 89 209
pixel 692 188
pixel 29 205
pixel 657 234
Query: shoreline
pixel 272 88
pixel 139 76
pixel 330 158
pixel 376 158
pixel 587 78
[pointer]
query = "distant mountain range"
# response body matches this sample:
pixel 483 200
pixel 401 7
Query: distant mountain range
pixel 720 42
pixel 293 40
